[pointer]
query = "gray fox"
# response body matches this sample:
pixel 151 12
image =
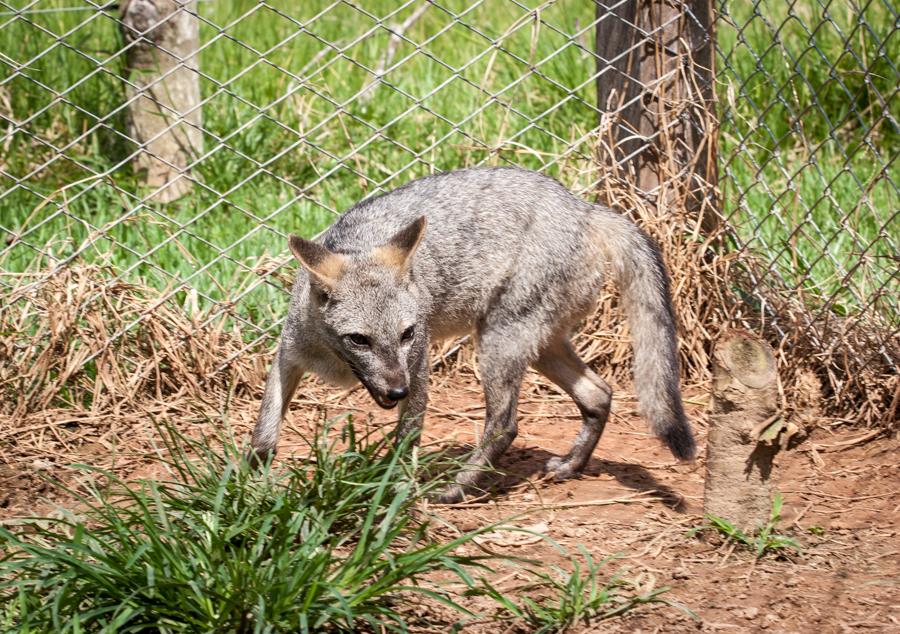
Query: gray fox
pixel 505 253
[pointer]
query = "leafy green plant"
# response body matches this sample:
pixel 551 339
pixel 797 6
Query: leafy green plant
pixel 323 544
pixel 564 598
pixel 763 541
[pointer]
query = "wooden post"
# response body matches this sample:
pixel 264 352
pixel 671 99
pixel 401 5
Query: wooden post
pixel 655 76
pixel 744 408
pixel 164 92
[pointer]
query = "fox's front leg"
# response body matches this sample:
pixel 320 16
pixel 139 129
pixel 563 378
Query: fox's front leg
pixel 280 386
pixel 412 409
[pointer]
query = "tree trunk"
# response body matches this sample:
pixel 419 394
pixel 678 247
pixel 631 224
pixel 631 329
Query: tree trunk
pixel 655 79
pixel 744 406
pixel 163 92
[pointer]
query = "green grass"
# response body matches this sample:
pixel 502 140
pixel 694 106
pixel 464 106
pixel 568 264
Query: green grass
pixel 336 542
pixel 325 544
pixel 291 193
pixel 578 596
pixel 277 146
pixel 762 542
pixel 808 156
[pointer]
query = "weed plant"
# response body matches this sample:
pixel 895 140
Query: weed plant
pixel 763 541
pixel 336 542
pixel 580 595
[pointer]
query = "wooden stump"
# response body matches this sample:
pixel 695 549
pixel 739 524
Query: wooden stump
pixel 163 92
pixel 744 407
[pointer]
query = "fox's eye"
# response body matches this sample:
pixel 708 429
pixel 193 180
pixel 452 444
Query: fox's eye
pixel 408 333
pixel 358 340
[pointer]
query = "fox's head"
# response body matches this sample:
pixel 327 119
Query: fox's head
pixel 365 306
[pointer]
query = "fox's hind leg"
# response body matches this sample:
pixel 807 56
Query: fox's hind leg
pixel 560 363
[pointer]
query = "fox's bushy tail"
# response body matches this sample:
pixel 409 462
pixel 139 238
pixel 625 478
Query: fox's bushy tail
pixel 644 285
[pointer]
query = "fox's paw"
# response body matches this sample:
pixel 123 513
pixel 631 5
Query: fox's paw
pixel 453 494
pixel 256 458
pixel 562 468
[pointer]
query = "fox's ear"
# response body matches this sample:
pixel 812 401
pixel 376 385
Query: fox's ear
pixel 398 251
pixel 325 267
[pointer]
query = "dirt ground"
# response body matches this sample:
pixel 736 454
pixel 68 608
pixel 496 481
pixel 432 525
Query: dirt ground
pixel 840 489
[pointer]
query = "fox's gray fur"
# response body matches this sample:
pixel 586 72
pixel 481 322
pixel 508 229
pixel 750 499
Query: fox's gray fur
pixel 507 254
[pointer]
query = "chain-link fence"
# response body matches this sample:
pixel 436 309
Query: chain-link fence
pixel 296 110
pixel 809 146
pixel 809 141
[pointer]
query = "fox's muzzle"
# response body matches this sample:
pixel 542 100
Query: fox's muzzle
pixel 389 396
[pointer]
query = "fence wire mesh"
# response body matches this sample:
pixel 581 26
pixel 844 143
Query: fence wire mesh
pixel 304 108
pixel 809 148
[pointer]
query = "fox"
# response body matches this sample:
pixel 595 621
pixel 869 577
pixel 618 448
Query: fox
pixel 507 255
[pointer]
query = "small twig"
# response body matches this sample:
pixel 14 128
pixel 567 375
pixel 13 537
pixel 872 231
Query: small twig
pixel 846 444
pixel 731 546
pixel 846 497
pixel 635 497
pixel 396 35
pixel 800 515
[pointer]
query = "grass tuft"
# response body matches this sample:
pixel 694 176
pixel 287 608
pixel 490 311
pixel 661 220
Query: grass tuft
pixel 324 544
pixel 763 541
pixel 583 595
pixel 335 542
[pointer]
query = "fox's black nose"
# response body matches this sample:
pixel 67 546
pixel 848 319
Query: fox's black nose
pixel 397 393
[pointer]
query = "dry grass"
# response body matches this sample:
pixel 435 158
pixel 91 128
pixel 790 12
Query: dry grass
pixel 843 367
pixel 77 341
